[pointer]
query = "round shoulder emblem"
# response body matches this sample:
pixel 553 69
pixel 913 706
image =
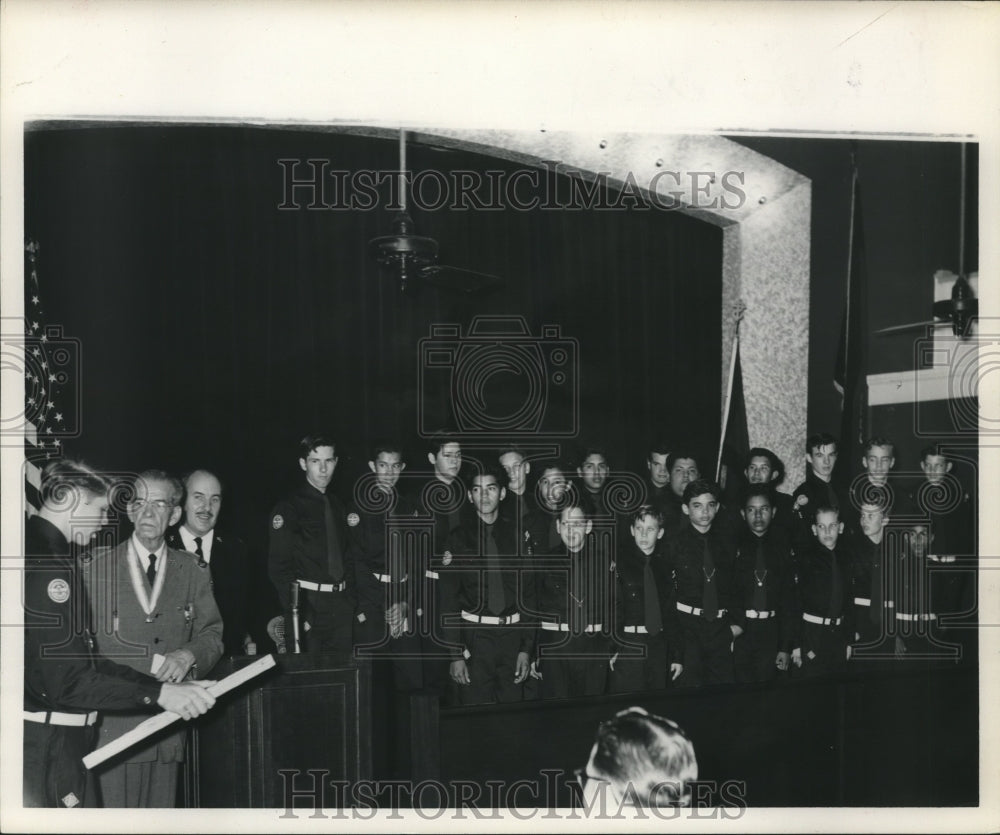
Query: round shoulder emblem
pixel 353 519
pixel 446 559
pixel 58 591
pixel 277 521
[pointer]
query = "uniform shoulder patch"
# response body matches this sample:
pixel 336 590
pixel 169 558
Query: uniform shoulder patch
pixel 277 522
pixel 353 519
pixel 447 558
pixel 58 590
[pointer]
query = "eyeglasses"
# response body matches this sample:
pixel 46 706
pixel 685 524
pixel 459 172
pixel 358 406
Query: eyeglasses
pixel 158 505
pixel 582 777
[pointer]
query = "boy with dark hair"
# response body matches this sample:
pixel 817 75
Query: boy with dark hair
pixel 645 612
pixel 682 468
pixel 489 592
pixel 702 561
pixel 818 489
pixel 824 584
pixel 574 604
pixel 764 467
pixel 765 585
pixel 658 486
pixel 308 546
pixel 592 472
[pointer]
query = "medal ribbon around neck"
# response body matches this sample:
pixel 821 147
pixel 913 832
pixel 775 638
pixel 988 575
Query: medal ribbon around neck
pixel 147 604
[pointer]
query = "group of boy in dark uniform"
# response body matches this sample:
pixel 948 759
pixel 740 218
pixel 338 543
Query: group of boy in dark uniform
pixel 481 590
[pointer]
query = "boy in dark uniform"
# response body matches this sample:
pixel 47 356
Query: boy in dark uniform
pixel 658 486
pixel 824 585
pixel 488 595
pixel 381 551
pixel 765 587
pixel 764 467
pixel 645 614
pixel 818 490
pixel 874 607
pixel 519 503
pixel 550 492
pixel 308 546
pixel 574 604
pixel 702 561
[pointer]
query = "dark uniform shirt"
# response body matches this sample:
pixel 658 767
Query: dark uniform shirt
pixel 577 588
pixel 466 580
pixel 867 585
pixel 61 670
pixel 773 588
pixel 630 598
pixel 385 574
pixel 686 557
pixel 815 587
pixel 298 542
pixel 542 534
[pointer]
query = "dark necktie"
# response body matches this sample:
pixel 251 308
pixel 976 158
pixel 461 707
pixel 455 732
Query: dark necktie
pixel 198 552
pixel 335 563
pixel 651 603
pixel 577 595
pixel 759 576
pixel 496 600
pixel 710 594
pixel 836 593
pixel 151 570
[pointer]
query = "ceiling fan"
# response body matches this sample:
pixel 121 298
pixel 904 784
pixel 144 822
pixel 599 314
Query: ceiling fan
pixel 963 306
pixel 413 260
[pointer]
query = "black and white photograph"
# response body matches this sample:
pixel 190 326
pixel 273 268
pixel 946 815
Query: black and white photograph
pixel 408 430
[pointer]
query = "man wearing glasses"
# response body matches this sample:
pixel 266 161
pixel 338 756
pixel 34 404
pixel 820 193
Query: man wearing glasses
pixel 153 611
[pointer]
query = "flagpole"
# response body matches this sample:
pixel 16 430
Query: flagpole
pixel 729 390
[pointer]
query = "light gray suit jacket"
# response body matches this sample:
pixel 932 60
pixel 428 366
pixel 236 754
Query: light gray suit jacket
pixel 185 617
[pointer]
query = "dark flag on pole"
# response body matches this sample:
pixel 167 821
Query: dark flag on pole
pixel 852 357
pixel 735 443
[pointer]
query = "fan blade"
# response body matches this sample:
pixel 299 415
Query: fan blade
pixel 458 279
pixel 912 326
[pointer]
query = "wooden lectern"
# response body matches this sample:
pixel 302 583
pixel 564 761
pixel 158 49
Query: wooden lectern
pixel 306 715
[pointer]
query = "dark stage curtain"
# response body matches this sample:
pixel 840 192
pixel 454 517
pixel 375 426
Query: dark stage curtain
pixel 217 329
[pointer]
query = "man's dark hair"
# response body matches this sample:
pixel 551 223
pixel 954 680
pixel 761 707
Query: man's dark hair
pixel 878 441
pixel 310 443
pixel 820 439
pixel 933 449
pixel 487 469
pixel 593 449
pixel 388 446
pixel 680 454
pixel 825 508
pixel 699 487
pixel 438 441
pixel 753 490
pixel 658 447
pixel 764 452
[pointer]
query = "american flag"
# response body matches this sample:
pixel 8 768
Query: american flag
pixel 51 365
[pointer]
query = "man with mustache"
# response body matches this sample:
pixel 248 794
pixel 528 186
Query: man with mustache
pixel 225 555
